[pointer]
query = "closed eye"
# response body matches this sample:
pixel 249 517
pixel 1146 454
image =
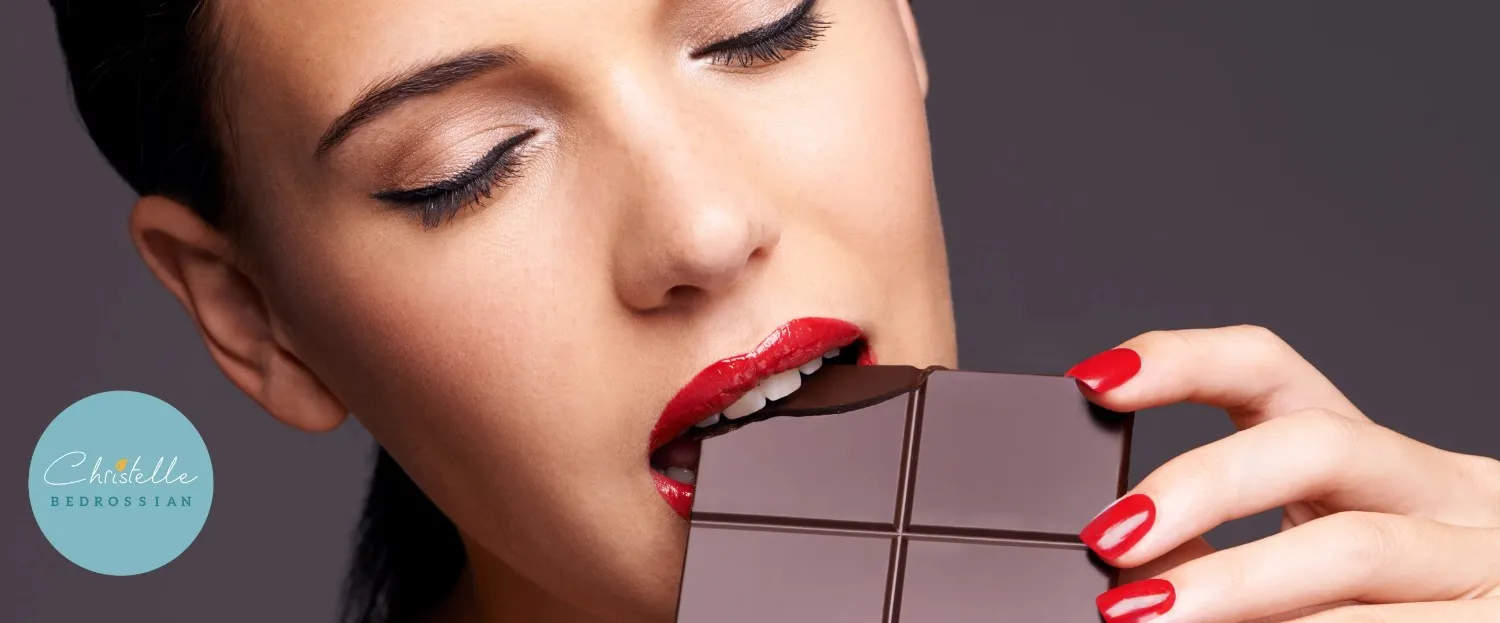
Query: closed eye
pixel 439 202
pixel 796 31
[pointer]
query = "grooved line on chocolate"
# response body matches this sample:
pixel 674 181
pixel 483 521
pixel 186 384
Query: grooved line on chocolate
pixel 900 530
pixel 911 442
pixel 758 523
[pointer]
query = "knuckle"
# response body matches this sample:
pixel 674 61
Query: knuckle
pixel 1336 437
pixel 1261 337
pixel 1486 476
pixel 1195 479
pixel 1199 477
pixel 1180 338
pixel 1262 342
pixel 1234 576
pixel 1368 541
pixel 1258 333
pixel 1489 475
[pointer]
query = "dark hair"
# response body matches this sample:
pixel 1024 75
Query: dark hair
pixel 144 75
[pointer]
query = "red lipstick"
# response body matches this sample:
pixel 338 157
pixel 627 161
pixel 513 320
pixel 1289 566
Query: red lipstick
pixel 725 381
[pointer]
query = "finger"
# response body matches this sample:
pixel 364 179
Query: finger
pixel 1312 455
pixel 1189 551
pixel 1471 611
pixel 1247 371
pixel 1292 616
pixel 1360 557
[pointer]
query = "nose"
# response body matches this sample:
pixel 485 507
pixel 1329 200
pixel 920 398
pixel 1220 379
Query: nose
pixel 695 221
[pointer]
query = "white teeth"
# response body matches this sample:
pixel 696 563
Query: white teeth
pixel 682 475
pixel 751 402
pixel 776 387
pixel 781 384
pixel 811 366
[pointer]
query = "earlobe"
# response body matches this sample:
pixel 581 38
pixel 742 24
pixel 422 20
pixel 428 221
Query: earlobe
pixel 914 42
pixel 196 264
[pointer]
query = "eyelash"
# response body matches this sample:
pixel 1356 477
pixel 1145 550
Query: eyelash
pixel 442 201
pixel 438 203
pixel 798 31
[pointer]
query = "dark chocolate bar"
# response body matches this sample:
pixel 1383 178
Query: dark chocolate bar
pixel 891 493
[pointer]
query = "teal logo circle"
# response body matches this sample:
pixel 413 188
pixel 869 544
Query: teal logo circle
pixel 121 483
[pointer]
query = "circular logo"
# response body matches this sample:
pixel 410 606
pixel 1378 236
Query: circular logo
pixel 121 483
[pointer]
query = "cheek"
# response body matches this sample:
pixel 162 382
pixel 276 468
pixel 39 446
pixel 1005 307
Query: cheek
pixel 867 176
pixel 460 338
pixel 854 128
pixel 480 359
pixel 858 142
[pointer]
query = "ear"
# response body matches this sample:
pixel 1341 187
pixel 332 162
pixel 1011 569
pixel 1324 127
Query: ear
pixel 196 263
pixel 909 21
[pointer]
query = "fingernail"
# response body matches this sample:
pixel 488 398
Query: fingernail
pixel 1120 526
pixel 1106 370
pixel 1137 602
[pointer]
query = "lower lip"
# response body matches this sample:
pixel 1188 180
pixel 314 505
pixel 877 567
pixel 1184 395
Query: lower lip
pixel 679 495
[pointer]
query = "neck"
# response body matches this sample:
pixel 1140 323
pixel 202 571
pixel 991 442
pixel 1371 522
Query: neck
pixel 490 591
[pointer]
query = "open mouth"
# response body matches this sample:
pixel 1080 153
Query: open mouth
pixel 678 459
pixel 732 393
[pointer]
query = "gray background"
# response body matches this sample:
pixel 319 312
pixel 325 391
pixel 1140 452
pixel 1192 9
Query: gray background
pixel 1327 169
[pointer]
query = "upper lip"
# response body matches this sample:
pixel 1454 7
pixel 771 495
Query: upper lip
pixel 726 380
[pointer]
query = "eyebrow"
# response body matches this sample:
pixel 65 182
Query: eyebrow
pixel 387 92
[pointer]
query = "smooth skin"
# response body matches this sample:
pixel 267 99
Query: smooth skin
pixel 1377 527
pixel 670 212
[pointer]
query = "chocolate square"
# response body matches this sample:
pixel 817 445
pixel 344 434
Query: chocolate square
pixel 887 493
pixel 1014 452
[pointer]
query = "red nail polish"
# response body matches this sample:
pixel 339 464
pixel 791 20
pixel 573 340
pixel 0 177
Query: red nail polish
pixel 1120 526
pixel 1106 370
pixel 1137 602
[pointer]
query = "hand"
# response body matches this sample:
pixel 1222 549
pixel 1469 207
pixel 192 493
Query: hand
pixel 1376 526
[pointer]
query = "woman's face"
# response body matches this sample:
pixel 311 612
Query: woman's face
pixel 509 267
